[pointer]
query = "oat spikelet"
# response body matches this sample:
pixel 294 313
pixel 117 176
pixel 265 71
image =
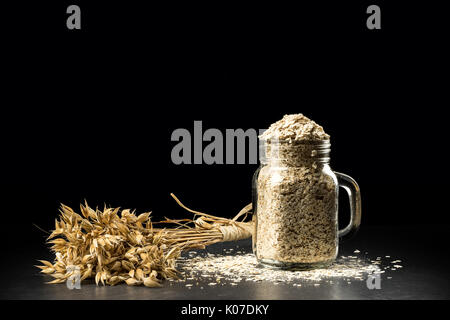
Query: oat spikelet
pixel 113 246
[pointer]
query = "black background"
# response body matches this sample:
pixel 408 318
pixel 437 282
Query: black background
pixel 88 114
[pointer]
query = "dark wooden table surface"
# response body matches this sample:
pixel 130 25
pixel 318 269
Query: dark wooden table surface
pixel 423 251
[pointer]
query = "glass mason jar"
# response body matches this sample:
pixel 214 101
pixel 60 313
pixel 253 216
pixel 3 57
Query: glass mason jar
pixel 295 196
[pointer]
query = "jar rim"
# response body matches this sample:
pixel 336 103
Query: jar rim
pixel 283 150
pixel 324 143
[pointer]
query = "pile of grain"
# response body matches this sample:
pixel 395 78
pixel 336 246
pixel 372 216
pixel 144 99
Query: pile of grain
pixel 295 127
pixel 235 267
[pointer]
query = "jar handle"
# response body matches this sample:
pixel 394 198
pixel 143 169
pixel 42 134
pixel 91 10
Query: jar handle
pixel 354 194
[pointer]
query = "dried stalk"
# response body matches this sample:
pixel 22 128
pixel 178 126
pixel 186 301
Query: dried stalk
pixel 113 248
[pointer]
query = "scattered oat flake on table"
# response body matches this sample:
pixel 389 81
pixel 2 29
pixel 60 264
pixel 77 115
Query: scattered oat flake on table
pixel 238 268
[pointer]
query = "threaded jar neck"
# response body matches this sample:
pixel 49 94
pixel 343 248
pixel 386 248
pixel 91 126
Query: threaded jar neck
pixel 294 153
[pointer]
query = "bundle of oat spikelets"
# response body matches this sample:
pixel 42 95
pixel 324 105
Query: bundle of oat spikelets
pixel 114 245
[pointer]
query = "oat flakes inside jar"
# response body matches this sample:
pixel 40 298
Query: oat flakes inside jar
pixel 296 197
